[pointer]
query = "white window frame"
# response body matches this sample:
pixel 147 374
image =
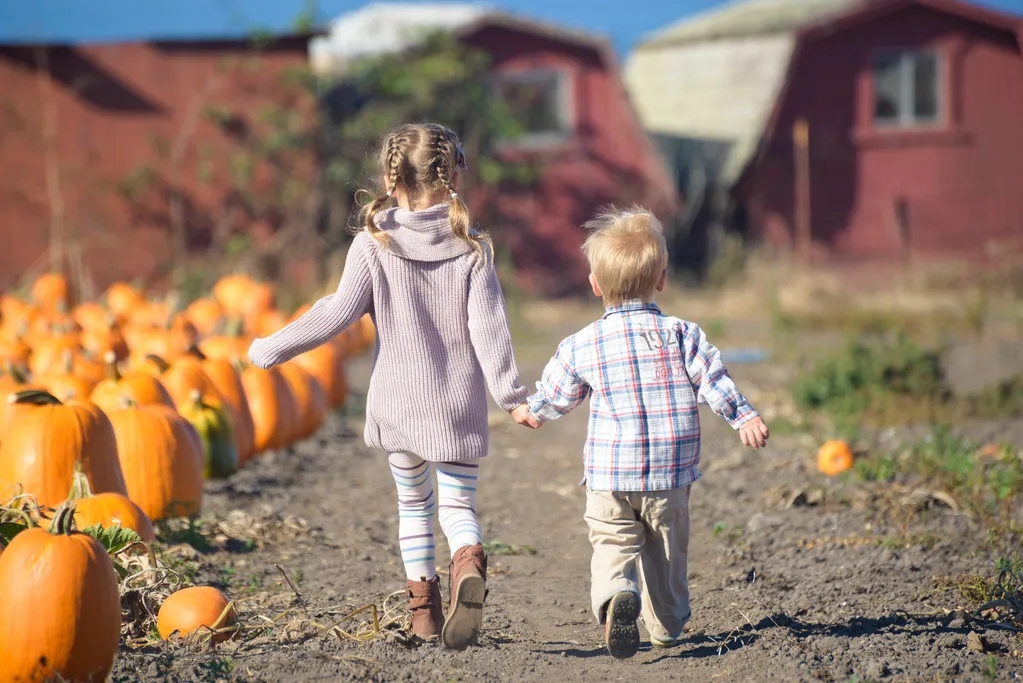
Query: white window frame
pixel 907 94
pixel 565 107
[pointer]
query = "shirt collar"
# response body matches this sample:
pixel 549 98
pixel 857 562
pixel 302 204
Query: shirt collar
pixel 632 306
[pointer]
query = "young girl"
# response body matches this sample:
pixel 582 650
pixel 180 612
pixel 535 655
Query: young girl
pixel 429 282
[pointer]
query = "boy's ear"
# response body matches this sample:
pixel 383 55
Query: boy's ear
pixel 661 280
pixel 595 286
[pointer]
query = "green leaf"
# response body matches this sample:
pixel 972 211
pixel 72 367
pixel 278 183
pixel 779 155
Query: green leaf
pixel 114 539
pixel 8 530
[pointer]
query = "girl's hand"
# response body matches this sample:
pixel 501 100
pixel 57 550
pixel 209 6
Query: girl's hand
pixel 754 433
pixel 521 415
pixel 257 357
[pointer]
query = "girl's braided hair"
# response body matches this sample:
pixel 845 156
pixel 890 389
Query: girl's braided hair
pixel 418 158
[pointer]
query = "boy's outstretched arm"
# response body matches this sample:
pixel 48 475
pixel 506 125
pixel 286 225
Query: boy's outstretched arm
pixel 710 378
pixel 327 318
pixel 560 389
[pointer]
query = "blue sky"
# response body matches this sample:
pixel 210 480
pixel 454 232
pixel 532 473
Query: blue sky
pixel 82 20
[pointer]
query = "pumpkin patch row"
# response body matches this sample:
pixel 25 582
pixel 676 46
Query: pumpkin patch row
pixel 132 388
pixel 116 411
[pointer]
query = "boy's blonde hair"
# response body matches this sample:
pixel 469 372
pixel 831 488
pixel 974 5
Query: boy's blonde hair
pixel 627 254
pixel 418 158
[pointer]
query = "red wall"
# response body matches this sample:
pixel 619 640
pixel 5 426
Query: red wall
pixel 608 160
pixel 963 182
pixel 116 106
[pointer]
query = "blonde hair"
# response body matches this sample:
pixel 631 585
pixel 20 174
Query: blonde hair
pixel 418 158
pixel 627 254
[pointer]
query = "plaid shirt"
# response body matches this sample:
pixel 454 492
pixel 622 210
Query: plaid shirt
pixel 646 372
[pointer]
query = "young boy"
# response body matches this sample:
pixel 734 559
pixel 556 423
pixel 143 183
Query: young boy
pixel 645 372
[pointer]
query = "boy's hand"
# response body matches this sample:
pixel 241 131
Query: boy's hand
pixel 754 433
pixel 521 415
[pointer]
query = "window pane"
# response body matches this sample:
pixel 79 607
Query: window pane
pixel 534 100
pixel 887 88
pixel 925 87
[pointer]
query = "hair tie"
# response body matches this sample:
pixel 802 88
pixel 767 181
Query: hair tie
pixel 389 193
pixel 454 195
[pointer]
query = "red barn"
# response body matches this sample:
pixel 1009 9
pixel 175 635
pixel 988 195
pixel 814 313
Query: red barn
pixel 107 147
pixel 861 129
pixel 580 125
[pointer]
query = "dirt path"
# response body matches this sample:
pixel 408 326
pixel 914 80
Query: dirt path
pixel 789 593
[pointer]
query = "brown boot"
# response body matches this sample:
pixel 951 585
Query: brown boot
pixel 425 605
pixel 468 587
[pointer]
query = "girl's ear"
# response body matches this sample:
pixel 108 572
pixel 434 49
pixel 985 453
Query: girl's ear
pixel 661 280
pixel 595 286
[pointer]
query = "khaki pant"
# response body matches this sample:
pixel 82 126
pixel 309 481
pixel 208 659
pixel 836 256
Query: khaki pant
pixel 642 537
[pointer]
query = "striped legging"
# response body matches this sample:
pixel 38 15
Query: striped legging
pixel 455 503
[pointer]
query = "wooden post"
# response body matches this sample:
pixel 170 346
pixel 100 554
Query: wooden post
pixel 801 156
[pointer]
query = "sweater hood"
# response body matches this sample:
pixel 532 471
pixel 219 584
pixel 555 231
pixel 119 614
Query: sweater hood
pixel 421 235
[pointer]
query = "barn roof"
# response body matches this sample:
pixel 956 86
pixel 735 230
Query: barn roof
pixel 388 27
pixel 745 18
pixel 716 75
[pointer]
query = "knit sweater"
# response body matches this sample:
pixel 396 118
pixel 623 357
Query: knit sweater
pixel 442 336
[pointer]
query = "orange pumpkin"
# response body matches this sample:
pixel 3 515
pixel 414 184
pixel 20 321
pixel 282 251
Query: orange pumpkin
pixel 205 315
pixel 122 299
pixel 834 457
pixel 310 399
pixel 15 350
pixel 274 413
pixel 161 458
pixel 60 607
pixel 186 375
pixel 51 292
pixel 42 446
pixel 139 388
pixel 108 509
pixel 327 364
pixel 228 380
pixel 48 354
pixel 198 607
pixel 64 382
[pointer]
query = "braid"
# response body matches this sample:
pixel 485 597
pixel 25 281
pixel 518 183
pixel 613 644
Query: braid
pixel 393 158
pixel 445 151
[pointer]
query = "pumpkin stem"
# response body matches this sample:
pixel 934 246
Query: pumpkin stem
pixel 63 519
pixel 15 372
pixel 113 373
pixel 36 397
pixel 174 302
pixel 157 361
pixel 80 487
pixel 127 402
pixel 194 350
pixel 68 360
pixel 195 396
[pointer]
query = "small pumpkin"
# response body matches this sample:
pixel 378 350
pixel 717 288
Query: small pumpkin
pixel 122 298
pixel 220 456
pixel 205 315
pixel 834 457
pixel 64 382
pixel 108 509
pixel 50 291
pixel 140 388
pixel 45 440
pixel 60 607
pixel 274 413
pixel 161 458
pixel 186 375
pixel 190 609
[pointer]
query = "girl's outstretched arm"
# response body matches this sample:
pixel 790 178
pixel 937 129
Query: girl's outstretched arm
pixel 328 317
pixel 491 338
